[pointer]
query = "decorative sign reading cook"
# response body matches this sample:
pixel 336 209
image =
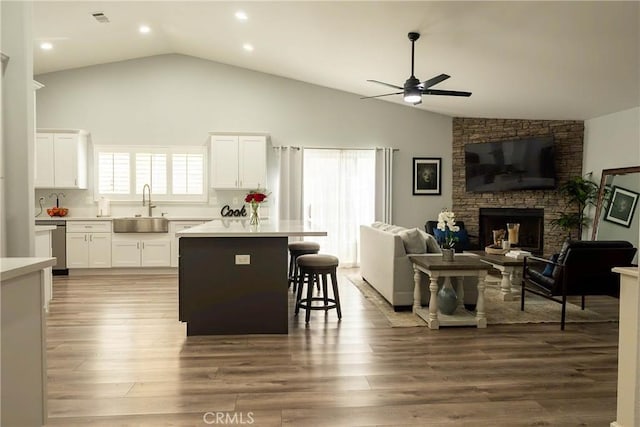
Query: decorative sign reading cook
pixel 226 211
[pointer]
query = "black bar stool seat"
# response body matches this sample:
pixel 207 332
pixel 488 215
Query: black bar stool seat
pixel 295 250
pixel 317 268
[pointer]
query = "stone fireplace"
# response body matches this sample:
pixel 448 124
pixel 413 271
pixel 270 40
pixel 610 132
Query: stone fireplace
pixel 568 137
pixel 531 234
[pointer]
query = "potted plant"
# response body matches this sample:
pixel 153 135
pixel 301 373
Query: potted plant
pixel 579 192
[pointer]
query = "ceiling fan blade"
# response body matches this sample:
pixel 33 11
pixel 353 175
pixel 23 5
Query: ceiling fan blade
pixel 445 92
pixel 386 84
pixel 434 81
pixel 378 96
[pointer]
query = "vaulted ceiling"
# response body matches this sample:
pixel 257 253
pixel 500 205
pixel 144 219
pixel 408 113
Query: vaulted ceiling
pixel 530 60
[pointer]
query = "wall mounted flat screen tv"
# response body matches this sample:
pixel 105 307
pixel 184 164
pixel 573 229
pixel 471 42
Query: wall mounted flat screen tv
pixel 522 164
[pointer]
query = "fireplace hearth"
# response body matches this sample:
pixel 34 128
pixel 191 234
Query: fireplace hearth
pixel 531 220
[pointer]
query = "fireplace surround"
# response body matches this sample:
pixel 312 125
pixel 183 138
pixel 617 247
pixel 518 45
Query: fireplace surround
pixel 531 220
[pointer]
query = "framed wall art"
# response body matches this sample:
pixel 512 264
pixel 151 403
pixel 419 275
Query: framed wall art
pixel 427 176
pixel 622 206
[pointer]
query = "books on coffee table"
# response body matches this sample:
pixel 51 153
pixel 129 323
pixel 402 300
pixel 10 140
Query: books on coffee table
pixel 517 254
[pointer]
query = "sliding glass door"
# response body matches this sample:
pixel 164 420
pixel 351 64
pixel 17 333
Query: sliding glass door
pixel 339 195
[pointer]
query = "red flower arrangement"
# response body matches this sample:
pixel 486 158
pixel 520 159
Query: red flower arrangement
pixel 255 196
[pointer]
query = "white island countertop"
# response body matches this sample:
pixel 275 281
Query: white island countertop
pixel 241 228
pixel 14 267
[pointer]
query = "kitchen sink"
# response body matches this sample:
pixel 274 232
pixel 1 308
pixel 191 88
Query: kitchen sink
pixel 140 225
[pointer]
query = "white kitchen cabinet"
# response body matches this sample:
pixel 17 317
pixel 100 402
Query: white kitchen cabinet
pixel 174 227
pixel 88 244
pixel 238 162
pixel 61 159
pixel 141 250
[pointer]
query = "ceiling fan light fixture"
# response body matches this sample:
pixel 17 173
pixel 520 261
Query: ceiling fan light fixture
pixel 412 96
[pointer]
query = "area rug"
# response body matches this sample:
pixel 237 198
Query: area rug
pixel 537 309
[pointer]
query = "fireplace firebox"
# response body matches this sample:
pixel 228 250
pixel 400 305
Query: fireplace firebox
pixel 531 220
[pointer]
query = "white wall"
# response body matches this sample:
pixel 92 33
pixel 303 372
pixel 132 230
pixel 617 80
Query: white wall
pixel 176 99
pixel 613 141
pixel 16 197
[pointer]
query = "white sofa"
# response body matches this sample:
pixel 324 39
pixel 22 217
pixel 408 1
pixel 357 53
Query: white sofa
pixel 384 264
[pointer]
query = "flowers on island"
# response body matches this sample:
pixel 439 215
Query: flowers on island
pixel 256 196
pixel 447 224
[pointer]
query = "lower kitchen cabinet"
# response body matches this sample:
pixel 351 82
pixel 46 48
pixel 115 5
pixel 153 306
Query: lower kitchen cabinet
pixel 88 244
pixel 88 250
pixel 140 250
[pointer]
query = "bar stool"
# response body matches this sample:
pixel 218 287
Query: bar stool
pixel 315 267
pixel 295 250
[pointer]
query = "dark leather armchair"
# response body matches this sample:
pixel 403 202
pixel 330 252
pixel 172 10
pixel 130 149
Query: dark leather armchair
pixel 464 244
pixel 582 268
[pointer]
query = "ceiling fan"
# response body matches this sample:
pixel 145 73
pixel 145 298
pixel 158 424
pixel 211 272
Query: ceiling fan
pixel 413 89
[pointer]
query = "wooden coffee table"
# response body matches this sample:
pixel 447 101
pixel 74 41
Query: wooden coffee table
pixel 434 266
pixel 510 269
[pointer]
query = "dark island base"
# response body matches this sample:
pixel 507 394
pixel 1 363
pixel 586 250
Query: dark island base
pixel 219 297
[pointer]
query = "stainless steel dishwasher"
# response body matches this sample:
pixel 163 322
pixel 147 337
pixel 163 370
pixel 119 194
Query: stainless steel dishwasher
pixel 58 245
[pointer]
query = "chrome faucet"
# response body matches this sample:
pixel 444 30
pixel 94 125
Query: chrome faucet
pixel 151 206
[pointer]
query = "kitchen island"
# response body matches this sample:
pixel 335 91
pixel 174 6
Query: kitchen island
pixel 233 276
pixel 24 343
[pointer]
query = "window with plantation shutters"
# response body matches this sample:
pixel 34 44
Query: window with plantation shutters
pixel 113 173
pixel 151 168
pixel 188 173
pixel 173 173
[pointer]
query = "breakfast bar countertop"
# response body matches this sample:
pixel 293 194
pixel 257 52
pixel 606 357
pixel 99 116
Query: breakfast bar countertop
pixel 241 228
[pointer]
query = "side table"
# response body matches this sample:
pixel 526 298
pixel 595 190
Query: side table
pixel 435 267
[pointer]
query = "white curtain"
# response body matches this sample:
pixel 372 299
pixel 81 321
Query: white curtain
pixel 339 196
pixel 289 200
pixel 384 185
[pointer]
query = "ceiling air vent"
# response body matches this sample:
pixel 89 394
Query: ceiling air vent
pixel 100 17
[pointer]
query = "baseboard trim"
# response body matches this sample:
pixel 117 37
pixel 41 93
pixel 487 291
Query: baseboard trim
pixel 121 271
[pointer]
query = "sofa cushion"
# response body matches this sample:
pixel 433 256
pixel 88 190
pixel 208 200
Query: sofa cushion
pixel 395 229
pixel 413 241
pixel 377 224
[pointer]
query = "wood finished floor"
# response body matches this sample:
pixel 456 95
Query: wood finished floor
pixel 117 356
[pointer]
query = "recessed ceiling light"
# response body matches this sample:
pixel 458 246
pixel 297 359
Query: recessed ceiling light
pixel 144 29
pixel 241 16
pixel 46 46
pixel 248 47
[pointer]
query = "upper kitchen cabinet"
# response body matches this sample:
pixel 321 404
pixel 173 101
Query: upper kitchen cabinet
pixel 238 162
pixel 61 159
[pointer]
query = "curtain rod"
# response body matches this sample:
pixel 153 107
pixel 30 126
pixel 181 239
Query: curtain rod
pixel 280 147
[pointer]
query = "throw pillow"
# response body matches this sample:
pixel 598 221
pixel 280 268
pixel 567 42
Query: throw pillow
pixel 463 237
pixel 432 243
pixel 376 224
pixel 548 270
pixel 413 241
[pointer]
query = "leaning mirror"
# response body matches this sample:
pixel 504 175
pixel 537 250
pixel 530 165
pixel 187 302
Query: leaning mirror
pixel 617 211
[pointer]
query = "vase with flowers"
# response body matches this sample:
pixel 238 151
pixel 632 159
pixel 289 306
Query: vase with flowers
pixel 447 297
pixel 447 237
pixel 255 198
